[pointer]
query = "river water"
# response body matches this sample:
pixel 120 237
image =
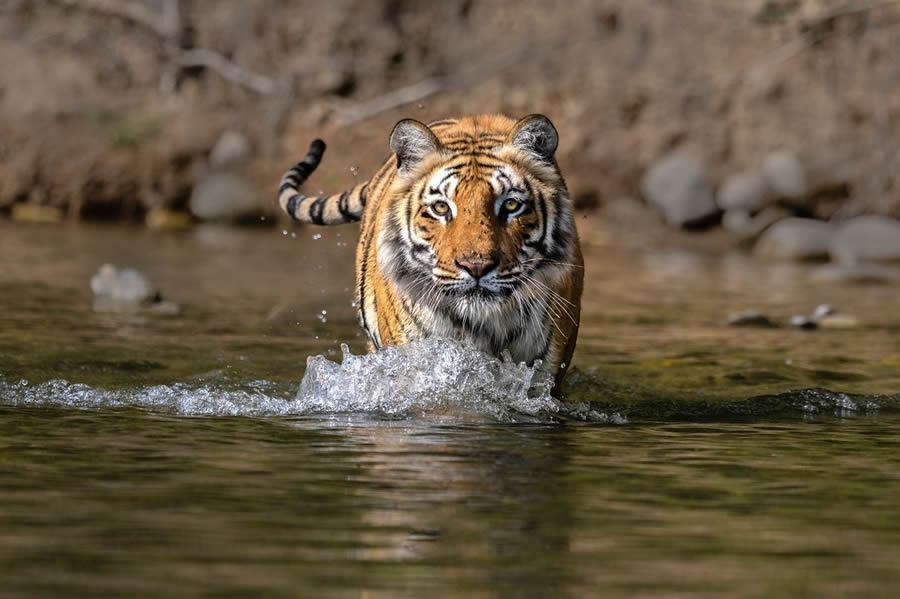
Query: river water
pixel 171 455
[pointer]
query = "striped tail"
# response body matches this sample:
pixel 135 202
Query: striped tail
pixel 335 209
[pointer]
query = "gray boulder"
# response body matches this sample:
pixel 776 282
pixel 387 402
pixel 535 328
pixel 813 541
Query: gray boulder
pixel 747 191
pixel 785 174
pixel 230 150
pixel 867 238
pixel 796 239
pixel 677 186
pixel 223 197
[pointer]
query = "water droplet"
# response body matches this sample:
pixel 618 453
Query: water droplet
pixel 420 106
pixel 354 170
pixel 322 316
pixel 293 235
pixel 284 232
pixel 316 236
pixel 262 219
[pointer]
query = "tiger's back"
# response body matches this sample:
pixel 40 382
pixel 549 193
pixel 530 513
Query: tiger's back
pixel 467 232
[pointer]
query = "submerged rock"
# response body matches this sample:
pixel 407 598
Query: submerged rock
pixel 750 318
pixel 867 238
pixel 677 186
pixel 796 239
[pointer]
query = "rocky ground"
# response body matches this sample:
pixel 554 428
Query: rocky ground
pixel 743 114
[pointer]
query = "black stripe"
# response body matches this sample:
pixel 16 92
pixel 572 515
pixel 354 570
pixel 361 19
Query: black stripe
pixel 362 194
pixel 291 206
pixel 316 211
pixel 342 206
pixel 286 187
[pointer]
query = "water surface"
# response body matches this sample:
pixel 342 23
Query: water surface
pixel 149 455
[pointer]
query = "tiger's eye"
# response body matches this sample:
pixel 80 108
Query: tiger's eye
pixel 511 205
pixel 440 208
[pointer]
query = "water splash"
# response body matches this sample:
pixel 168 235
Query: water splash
pixel 433 377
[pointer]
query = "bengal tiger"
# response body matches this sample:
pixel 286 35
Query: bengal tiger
pixel 467 233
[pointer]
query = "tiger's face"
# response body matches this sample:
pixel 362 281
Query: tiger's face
pixel 477 230
pixel 473 225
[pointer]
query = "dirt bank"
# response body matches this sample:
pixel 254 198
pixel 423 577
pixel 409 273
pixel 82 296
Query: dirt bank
pixel 108 109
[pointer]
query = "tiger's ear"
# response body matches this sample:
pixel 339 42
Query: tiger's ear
pixel 412 141
pixel 536 135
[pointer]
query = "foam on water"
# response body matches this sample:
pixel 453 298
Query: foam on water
pixel 432 379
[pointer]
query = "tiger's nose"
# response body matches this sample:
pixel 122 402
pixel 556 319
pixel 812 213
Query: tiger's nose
pixel 477 268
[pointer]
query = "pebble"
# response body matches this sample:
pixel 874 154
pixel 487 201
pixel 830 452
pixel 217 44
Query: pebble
pixel 677 186
pixel 821 311
pixel 35 213
pixel 867 238
pixel 750 318
pixel 747 191
pixel 796 239
pixel 127 290
pixel 798 321
pixel 749 227
pixel 838 321
pixel 163 219
pixel 785 174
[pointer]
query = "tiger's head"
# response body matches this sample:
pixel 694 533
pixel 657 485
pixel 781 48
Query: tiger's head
pixel 480 216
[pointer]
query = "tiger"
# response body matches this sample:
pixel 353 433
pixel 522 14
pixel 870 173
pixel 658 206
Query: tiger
pixel 467 233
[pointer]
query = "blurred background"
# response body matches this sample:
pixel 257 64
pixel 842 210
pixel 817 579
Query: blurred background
pixel 736 113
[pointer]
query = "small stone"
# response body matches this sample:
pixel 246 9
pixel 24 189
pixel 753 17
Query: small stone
pixel 126 285
pixel 796 239
pixel 749 227
pixel 230 150
pixel 223 197
pixel 785 174
pixel 750 318
pixel 35 213
pixel 747 191
pixel 798 321
pixel 867 238
pixel 821 311
pixel 163 219
pixel 677 186
pixel 838 321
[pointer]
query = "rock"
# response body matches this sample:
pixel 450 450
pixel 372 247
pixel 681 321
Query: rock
pixel 121 290
pixel 35 213
pixel 223 197
pixel 747 191
pixel 821 311
pixel 785 174
pixel 127 290
pixel 750 318
pixel 838 321
pixel 867 238
pixel 796 239
pixel 230 150
pixel 799 321
pixel 854 273
pixel 163 219
pixel 749 227
pixel 677 186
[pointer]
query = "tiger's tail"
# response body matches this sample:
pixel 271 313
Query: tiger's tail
pixel 335 209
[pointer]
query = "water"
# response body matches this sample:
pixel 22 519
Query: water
pixel 179 455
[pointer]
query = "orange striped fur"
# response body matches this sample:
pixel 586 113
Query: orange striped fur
pixel 467 233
